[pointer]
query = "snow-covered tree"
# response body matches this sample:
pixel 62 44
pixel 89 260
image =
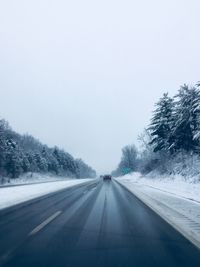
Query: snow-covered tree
pixel 185 133
pixel 161 123
pixel 84 171
pixel 2 146
pixel 129 161
pixel 23 153
pixel 26 166
pixel 13 161
pixel 41 162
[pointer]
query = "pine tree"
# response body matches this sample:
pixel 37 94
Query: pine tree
pixel 2 147
pixel 25 163
pixel 161 123
pixel 41 162
pixel 23 153
pixel 83 170
pixel 185 133
pixel 196 108
pixel 13 162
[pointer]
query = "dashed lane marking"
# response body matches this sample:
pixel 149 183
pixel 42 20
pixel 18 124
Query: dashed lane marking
pixel 43 224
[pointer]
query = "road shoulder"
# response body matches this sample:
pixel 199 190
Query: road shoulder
pixel 12 196
pixel 182 214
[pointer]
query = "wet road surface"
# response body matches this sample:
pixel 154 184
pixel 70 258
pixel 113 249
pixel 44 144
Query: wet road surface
pixel 95 225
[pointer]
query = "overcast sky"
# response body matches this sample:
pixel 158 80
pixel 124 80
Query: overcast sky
pixel 84 75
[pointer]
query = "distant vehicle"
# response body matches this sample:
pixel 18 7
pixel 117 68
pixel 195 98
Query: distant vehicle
pixel 107 177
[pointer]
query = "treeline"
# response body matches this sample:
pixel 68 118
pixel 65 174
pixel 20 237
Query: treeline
pixel 173 136
pixel 129 161
pixel 20 154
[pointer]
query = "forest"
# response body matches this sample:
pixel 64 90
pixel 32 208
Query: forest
pixel 170 144
pixel 20 154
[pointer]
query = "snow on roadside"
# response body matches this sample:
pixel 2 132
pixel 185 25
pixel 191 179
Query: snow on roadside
pixel 30 178
pixel 10 196
pixel 176 185
pixel 171 199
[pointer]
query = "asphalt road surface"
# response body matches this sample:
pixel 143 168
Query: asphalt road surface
pixel 95 225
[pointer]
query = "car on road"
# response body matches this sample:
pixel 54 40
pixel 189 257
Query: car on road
pixel 107 177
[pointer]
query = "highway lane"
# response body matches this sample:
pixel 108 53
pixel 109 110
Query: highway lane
pixel 99 224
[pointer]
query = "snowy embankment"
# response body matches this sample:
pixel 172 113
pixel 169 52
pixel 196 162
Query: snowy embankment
pixel 31 178
pixel 175 185
pixel 175 200
pixel 10 196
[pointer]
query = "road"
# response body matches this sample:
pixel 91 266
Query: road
pixel 95 225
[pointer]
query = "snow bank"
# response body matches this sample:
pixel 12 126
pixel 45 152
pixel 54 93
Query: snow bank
pixel 10 196
pixel 176 185
pixel 177 201
pixel 30 178
pixel 182 165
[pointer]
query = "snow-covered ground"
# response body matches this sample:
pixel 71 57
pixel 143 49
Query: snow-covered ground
pixel 30 178
pixel 175 185
pixel 10 196
pixel 176 200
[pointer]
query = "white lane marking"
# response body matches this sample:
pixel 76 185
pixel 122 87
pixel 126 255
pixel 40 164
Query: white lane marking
pixel 43 224
pixel 5 256
pixel 87 191
pixel 94 188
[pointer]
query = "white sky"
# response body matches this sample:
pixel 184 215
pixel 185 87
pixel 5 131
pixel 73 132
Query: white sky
pixel 84 75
